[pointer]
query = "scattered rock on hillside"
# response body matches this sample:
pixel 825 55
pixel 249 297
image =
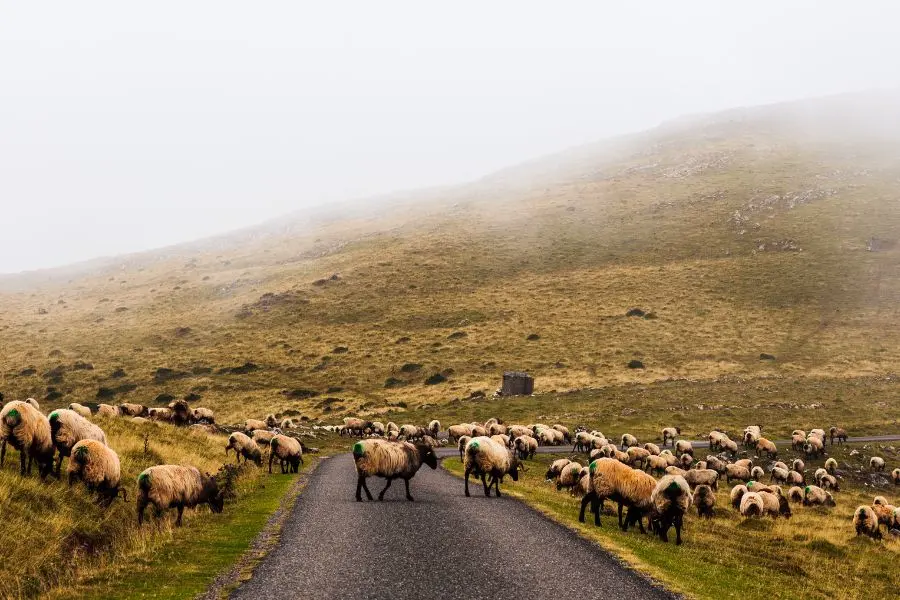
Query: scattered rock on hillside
pixel 166 374
pixel 635 364
pixel 192 397
pixel 393 382
pixel 435 379
pixel 765 356
pixel 118 373
pixel 164 398
pixel 28 372
pixel 410 367
pixel 456 335
pixel 182 331
pixel 533 337
pixel 82 366
pixel 300 393
pixel 53 394
pixel 477 394
pixel 402 340
pixel 635 312
pixel 340 350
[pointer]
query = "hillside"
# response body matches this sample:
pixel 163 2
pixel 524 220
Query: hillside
pixel 764 230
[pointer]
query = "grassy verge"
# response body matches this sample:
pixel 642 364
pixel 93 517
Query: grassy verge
pixel 815 554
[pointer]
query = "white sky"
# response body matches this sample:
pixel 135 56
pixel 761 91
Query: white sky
pixel 126 126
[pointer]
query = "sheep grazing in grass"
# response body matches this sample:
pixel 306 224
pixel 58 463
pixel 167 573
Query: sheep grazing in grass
pixel 752 505
pixel 654 464
pixel 669 434
pixel 583 442
pixel 705 501
pixel 569 476
pixel 673 470
pixel 204 415
pixel 730 446
pixel 780 465
pixel 23 427
pixel 549 437
pixel 895 476
pixel 160 414
pixel 684 447
pixel 454 432
pixel 795 478
pixel 177 486
pixel 181 412
pixel 637 457
pixel 556 468
pixel 411 432
pixel 815 496
pixel 584 482
pixel 671 459
pixel 795 494
pixel 685 461
pixel 567 437
pixel 798 440
pixel 716 440
pixel 775 504
pixel 81 409
pixel 814 447
pixel 389 460
pixel 67 428
pixel 865 521
pixel 108 410
pixel 715 463
pixel 876 463
pixel 830 466
pixel 484 457
pixel 245 447
pixel 757 473
pixel 525 446
pixel 744 462
pixel 479 431
pixel 837 432
pixel 98 467
pixel 434 428
pixel 127 409
pixel 708 477
pixel 671 498
pixel 251 425
pixel 884 511
pixel 780 475
pixel 737 492
pixel 756 486
pixel 799 466
pixel 288 451
pixel 497 429
pixel 829 482
pixel 616 481
pixel 262 437
pixel 819 433
pixel 628 441
pixel 355 427
pixel 287 424
pixel 377 428
pixel 515 431
pixel 271 420
pixel 738 472
pixel 651 448
pixel 391 426
pixel 764 446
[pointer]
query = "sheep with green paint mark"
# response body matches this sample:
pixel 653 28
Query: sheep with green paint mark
pixel 569 476
pixel 179 487
pixel 815 496
pixel 288 451
pixel 24 428
pixel 616 481
pixel 97 465
pixel 865 521
pixel 67 428
pixel 486 458
pixel 390 460
pixel 244 446
pixel 670 500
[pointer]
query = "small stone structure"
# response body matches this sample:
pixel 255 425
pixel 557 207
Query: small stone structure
pixel 517 384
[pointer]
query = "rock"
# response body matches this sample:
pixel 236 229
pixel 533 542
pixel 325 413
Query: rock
pixel 457 335
pixel 402 340
pixel 533 337
pixel 435 379
pixel 341 350
pixel 410 367
pixel 765 356
pixel 635 364
pixel 118 373
pixel 393 382
pixel 635 312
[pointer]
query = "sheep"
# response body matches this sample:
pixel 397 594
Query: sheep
pixel 838 432
pixel 515 431
pixel 127 409
pixel 756 486
pixel 567 437
pixel 289 452
pixel 715 463
pixel 410 432
pixel 377 428
pixel 628 487
pixel 177 486
pixel 675 471
pixel 245 447
pixel 271 420
pixel 829 482
pixel 556 468
pixel 866 522
pixel 705 501
pixel 637 456
pixel 780 475
pixel 814 495
pixel 454 432
pixel 389 460
pixel 757 473
pixel 700 464
pixel 751 434
pixel 744 462
pixel 876 463
pixel 895 476
pixel 670 458
pixel 696 477
pixel 503 440
pixel 775 504
pixel 98 467
pixel 204 415
pixel 583 441
pixel 730 446
pixel 831 466
pixel 525 445
pixel 628 441
pixel 569 476
pixel 81 409
pixel 288 424
pixel 797 465
pixel 780 465
pixel 160 414
pixel 716 439
pixel 651 448
pixel 67 428
pixel 670 499
pixel 736 472
pixel 107 410
pixel 669 434
pixel 486 457
pixel 795 494
pixel 737 492
pixel 752 505
pixel 434 427
pixel 262 437
pixel 819 433
pixel 584 481
pixel 684 447
pixel 251 425
pixel 685 460
pixel 764 446
pixel 655 464
pixel 884 511
pixel 798 440
pixel 549 437
pixel 24 428
pixel 181 412
pixel 354 426
pixel 479 431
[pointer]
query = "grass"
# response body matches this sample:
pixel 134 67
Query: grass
pixel 815 554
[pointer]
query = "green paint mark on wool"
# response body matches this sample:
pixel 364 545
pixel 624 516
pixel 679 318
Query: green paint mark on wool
pixel 673 486
pixel 359 449
pixel 806 489
pixel 53 416
pixel 750 484
pixel 593 466
pixel 144 480
pixel 474 445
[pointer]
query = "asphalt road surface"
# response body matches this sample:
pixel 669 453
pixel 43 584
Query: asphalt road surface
pixel 443 545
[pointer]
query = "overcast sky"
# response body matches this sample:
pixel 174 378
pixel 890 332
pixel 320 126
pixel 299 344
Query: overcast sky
pixel 126 126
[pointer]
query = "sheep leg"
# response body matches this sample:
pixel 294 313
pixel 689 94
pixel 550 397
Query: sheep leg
pixel 283 467
pixel 22 463
pixel 271 458
pixel 180 512
pixel 678 523
pixel 366 488
pixel 141 505
pixel 622 525
pixel 487 488
pixel 496 482
pixel 59 465
pixel 468 472
pixel 381 495
pixel 408 495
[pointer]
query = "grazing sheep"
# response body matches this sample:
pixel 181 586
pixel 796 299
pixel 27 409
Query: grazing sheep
pixel 497 429
pixel 797 465
pixel 377 428
pixel 670 499
pixel 262 437
pixel 389 460
pixel 81 409
pixel 884 511
pixel 616 481
pixel 780 465
pixel 816 496
pixel 583 441
pixel 671 459
pixel 434 428
pixel 673 470
pixel 203 415
pixel 159 414
pixel 67 428
pixel 98 467
pixel 751 435
pixel 126 409
pixel 780 475
pixel 502 439
pixel 177 486
pixel 556 468
pixel 715 463
pixel 756 486
pixel 655 464
pixel 24 428
pixel 819 433
pixel 637 457
pixel 684 447
pixel 866 522
pixel 584 482
pixel 411 432
pixel 355 427
pixel 752 505
pixel 775 504
pixel 289 452
pixel 454 432
pixel 708 477
pixel 729 446
pixel 744 462
pixel 628 441
pixel 567 437
pixel 485 457
pixel 272 420
pixel 764 446
pixel 287 424
pixel 895 476
pixel 550 437
pixel 831 466
pixel 737 492
pixel 795 494
pixel 479 431
pixel 515 431
pixel 798 440
pixel 669 434
pixel 737 472
pixel 107 410
pixel 569 476
pixel 181 412
pixel 245 447
pixel 251 425
pixel 838 432
pixel 757 473
pixel 876 463
pixel 829 482
pixel 716 439
pixel 525 445
pixel 705 501
pixel 651 448
pixel 685 460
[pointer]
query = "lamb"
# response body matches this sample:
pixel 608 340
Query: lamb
pixel 628 487
pixel 245 447
pixel 127 409
pixel 24 428
pixel 289 452
pixel 651 448
pixel 684 447
pixel 556 468
pixel 628 441
pixel 795 494
pixel 485 457
pixel 757 473
pixel 98 467
pixel 697 477
pixel 775 504
pixel 671 499
pixel 866 522
pixel 81 409
pixel 177 486
pixel 815 496
pixel 831 466
pixel 389 460
pixel 181 412
pixel 637 457
pixel 876 463
pixel 434 428
pixel 67 428
pixel 569 476
pixel 567 437
pixel 669 434
pixel 838 432
pixel 737 492
pixel 737 472
pixel 705 501
pixel 160 414
pixel 251 425
pixel 204 415
pixel 752 505
pixel 797 465
pixel 107 410
pixel 525 445
pixel 764 446
pixel 454 432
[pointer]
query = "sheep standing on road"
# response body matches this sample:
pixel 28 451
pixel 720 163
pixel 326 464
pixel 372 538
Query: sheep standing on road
pixel 389 460
pixel 177 486
pixel 684 447
pixel 838 432
pixel 288 451
pixel 525 445
pixel 485 457
pixel 628 441
pixel 67 428
pixel 98 467
pixel 669 434
pixel 24 428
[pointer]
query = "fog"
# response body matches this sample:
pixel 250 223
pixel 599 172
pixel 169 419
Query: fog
pixel 128 126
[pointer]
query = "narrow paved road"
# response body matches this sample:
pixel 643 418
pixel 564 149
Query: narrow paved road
pixel 443 545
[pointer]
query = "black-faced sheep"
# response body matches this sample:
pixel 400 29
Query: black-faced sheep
pixel 775 504
pixel 177 486
pixel 838 432
pixel 738 472
pixel 569 476
pixel 485 457
pixel 814 447
pixel 82 410
pixel 684 447
pixel 24 428
pixel 67 428
pixel 583 442
pixel 613 480
pixel 829 482
pixel 737 492
pixel 127 409
pixel 107 410
pixel 884 511
pixel 895 476
pixel 288 451
pixel 434 428
pixel 556 468
pixel 567 437
pixel 207 416
pixel 831 466
pixel 866 522
pixel 876 463
pixel 97 466
pixel 525 445
pixel 716 464
pixel 816 496
pixel 696 477
pixel 245 447
pixel 795 494
pixel 705 501
pixel 251 425
pixel 463 440
pixel 389 460
pixel 670 499
pixel 628 441
pixel 669 434
pixel 799 466
pixel 162 414
pixel 757 473
pixel 752 505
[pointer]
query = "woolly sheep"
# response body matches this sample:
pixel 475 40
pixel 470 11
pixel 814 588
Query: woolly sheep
pixel 389 460
pixel 497 429
pixel 67 428
pixel 461 445
pixel 616 481
pixel 751 435
pixel 744 462
pixel 673 470
pixel 288 451
pixel 876 463
pixel 775 504
pixel 391 426
pixel 434 427
pixel 502 439
pixel 177 486
pixel 262 437
pixel 865 521
pixel 671 499
pixel 715 463
pixel 737 492
pixel 819 433
pixel 204 415
pixel 525 445
pixel 764 446
pixel 454 432
pixel 895 476
pixel 354 426
pixel 795 494
pixel 884 511
pixel 479 431
pixel 757 473
pixel 736 472
pixel 696 477
pixel 837 432
pixel 819 474
pixel 829 482
pixel 651 448
pixel 798 441
pixel 795 478
pixel 485 457
pixel 515 431
pixel 584 482
pixel 550 437
pixel 128 409
pixel 160 414
pixel 757 486
pixel 669 434
pixel 556 468
pixel 181 412
pixel 251 425
pixel 716 439
pixel 24 428
pixel 583 441
pixel 831 466
pixel 378 428
pixel 245 447
pixel 82 410
pixel 814 495
pixel 98 467
pixel 567 437
pixel 656 464
pixel 411 432
pixel 569 476
pixel 780 465
pixel 705 501
pixel 730 445
pixel 272 420
pixel 780 475
pixel 670 458
pixel 628 441
pixel 107 410
pixel 685 460
pixel 684 447
pixel 797 465
pixel 752 505
pixel 637 456
pixel 813 447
